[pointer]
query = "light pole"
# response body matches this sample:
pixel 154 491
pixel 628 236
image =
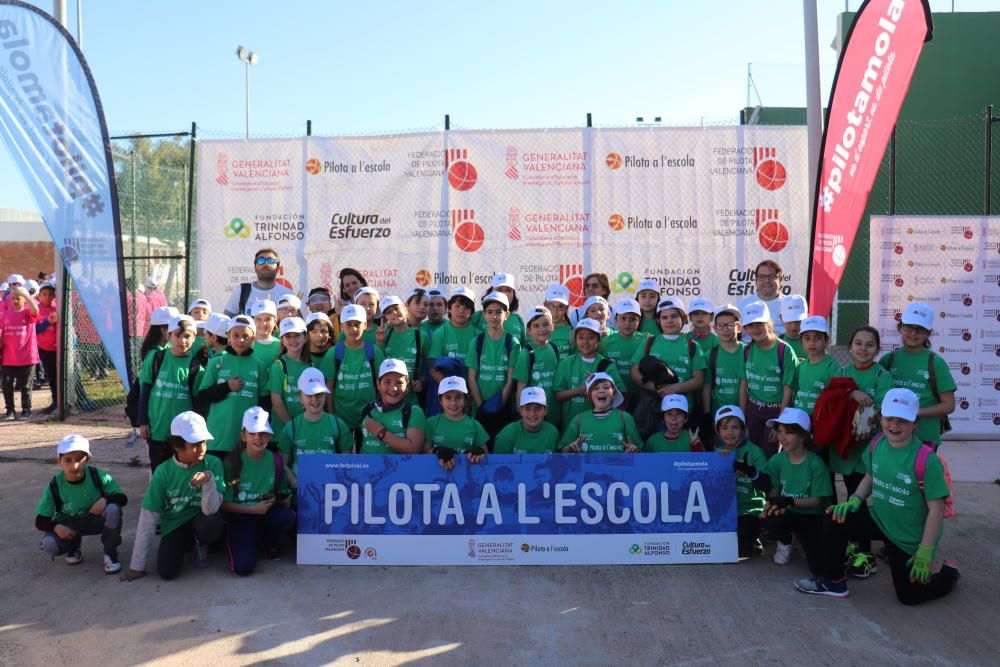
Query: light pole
pixel 248 58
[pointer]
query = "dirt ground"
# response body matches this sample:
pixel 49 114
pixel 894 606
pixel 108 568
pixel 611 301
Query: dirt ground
pixel 746 614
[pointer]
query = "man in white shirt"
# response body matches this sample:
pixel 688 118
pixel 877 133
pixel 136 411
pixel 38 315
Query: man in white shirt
pixel 265 266
pixel 767 277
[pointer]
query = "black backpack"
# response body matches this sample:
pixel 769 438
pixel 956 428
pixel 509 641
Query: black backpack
pixel 132 400
pixel 57 501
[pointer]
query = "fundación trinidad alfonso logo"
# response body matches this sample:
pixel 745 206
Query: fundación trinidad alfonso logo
pixel 571 277
pixel 613 160
pixel 468 234
pixel 423 277
pixel 771 174
pixel 511 170
pixel 772 235
pixel 514 223
pixel 313 166
pixel 461 174
pixel 222 169
pixel 236 229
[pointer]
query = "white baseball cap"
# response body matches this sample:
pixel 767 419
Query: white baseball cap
pixel 290 301
pixel 4 287
pixel 730 309
pixel 593 378
pixel 437 292
pixel 73 443
pixel 702 304
pixel 729 411
pixel 919 314
pixel 366 290
pixel 815 323
pixel 462 291
pixel 792 416
pixel 670 302
pixel 217 324
pixel 31 286
pixel 557 294
pixel 533 395
pixel 393 366
pixel 794 308
pixel 241 321
pixel 163 315
pixel 901 403
pixel 292 325
pixel 200 303
pixel 452 383
pixel 539 311
pixel 150 281
pixel 353 312
pixel 312 317
pixel 391 301
pixel 674 402
pixel 311 382
pixel 175 322
pixel 592 300
pixel 590 325
pixel 628 306
pixel 753 312
pixel 190 426
pixel 499 297
pixel 502 280
pixel 15 278
pixel 647 284
pixel 255 420
pixel 416 291
pixel 265 307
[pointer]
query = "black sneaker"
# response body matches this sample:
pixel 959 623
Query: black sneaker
pixel 49 410
pixel 11 416
pixel 859 564
pixel 823 586
pixel 25 414
pixel 950 569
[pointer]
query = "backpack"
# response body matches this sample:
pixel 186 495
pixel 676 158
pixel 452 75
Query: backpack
pixel 508 343
pixel 695 410
pixel 407 411
pixel 134 393
pixel 932 381
pixel 647 412
pixel 781 355
pixel 920 470
pixel 531 358
pixel 244 297
pixel 95 477
pixel 339 350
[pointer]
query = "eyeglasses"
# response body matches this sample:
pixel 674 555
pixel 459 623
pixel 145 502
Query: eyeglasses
pixel 911 329
pixel 593 283
pixel 269 261
pixel 767 276
pixel 726 327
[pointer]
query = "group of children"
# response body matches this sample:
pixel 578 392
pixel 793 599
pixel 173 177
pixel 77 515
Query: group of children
pixel 432 373
pixel 28 338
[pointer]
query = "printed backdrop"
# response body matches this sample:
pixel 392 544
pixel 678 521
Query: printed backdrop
pixel 696 208
pixel 953 265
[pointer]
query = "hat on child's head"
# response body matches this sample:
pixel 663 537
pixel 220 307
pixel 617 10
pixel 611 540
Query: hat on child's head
pixel 290 301
pixel 674 402
pixel 462 292
pixel 594 378
pixel 177 322
pixel 292 325
pixel 393 366
pixel 437 292
pixel 701 304
pixel 162 316
pixel 729 411
pixel 241 321
pixel 670 302
pixel 918 314
pixel 312 317
pixel 31 286
pixel 728 309
pixel 190 426
pixel 588 324
pixel 498 297
pixel 390 301
pixel 452 383
pixel 794 308
pixel 754 312
pixel 815 323
pixel 901 403
pixel 14 278
pixel 557 294
pixel 311 382
pixel 539 311
pixel 200 303
pixel 319 295
pixel 73 443
pixel 264 307
pixel 649 284
pixel 366 290
pixel 533 395
pixel 792 416
pixel 593 300
pixel 502 280
pixel 628 306
pixel 255 420
pixel 217 324
pixel 353 312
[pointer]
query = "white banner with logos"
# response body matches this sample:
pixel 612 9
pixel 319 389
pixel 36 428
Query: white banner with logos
pixel 696 208
pixel 952 264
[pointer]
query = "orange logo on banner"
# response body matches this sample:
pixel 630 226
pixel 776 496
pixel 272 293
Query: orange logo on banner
pixel 461 174
pixel 771 174
pixel 423 277
pixel 773 235
pixel 313 166
pixel 571 277
pixel 616 222
pixel 469 236
pixel 613 160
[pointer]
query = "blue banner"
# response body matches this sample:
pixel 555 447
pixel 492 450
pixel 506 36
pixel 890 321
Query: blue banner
pixel 52 123
pixel 511 509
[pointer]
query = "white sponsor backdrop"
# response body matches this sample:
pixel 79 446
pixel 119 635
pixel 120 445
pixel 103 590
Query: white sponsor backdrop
pixel 696 208
pixel 952 264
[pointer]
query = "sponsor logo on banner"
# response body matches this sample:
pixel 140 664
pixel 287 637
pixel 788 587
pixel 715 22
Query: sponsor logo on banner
pixel 544 548
pixel 359 225
pixel 623 282
pixel 462 175
pixel 268 227
pixel 696 548
pixel 222 169
pixel 271 174
pixel 772 235
pixel 431 224
pixel 468 234
pixel 618 222
pixel 313 166
pixel 490 550
pixel 761 161
pixel 964 231
pixel 425 164
pixel 763 223
pixel 771 174
pixel 571 277
pixel 962 402
pixel 423 277
pixel 547 167
pixel 991 278
pixel 514 223
pixel 896 246
pixel 674 282
pixel 742 282
pixel 75 248
pixel 651 548
pixel 548 228
pixel 617 161
pixel 316 166
pixel 380 277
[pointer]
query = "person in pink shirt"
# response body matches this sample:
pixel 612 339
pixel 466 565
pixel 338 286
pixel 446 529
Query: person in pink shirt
pixel 20 350
pixel 154 296
pixel 47 334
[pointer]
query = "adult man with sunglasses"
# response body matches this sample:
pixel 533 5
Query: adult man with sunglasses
pixel 265 265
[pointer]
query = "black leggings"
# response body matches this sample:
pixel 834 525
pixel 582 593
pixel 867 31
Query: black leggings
pixel 48 359
pixel 807 526
pixel 747 532
pixel 170 555
pixel 19 377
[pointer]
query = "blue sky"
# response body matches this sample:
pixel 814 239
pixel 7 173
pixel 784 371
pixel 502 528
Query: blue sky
pixel 395 66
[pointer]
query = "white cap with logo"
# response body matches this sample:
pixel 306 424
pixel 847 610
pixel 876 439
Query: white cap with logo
pixel 255 420
pixel 452 383
pixel 463 292
pixel 190 426
pixel 390 301
pixel 74 443
pixel 647 284
pixel 312 317
pixel 353 312
pixel 918 314
pixel 292 325
pixel 670 302
pixel 794 308
pixel 502 280
pixel 290 301
pixel 393 366
pixel 590 325
pixel 533 395
pixel 264 307
pixel 366 290
pixel 217 324
pixel 200 303
pixel 557 294
pixel 176 322
pixel 312 382
pixel 701 304
pixel 815 323
pixel 162 315
pixel 241 321
pixel 792 416
pixel 754 312
pixel 498 297
pixel 730 309
pixel 729 411
pixel 628 306
pixel 674 402
pixel 901 403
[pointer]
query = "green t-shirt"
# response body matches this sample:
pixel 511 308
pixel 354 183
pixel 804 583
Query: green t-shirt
pixel 706 343
pixel 256 479
pixel 267 352
pixel 658 443
pixel 225 418
pixel 749 499
pixel 491 367
pixel 910 371
pixel 171 496
pixel 542 374
pixel 676 353
pixel 808 479
pixel 516 439
pixel 898 505
pixel 196 346
pixel 460 435
pixel 169 395
pixel 77 497
pixel 354 386
pixel 452 342
pixel 811 379
pixel 392 420
pixel 326 435
pixel 650 326
pixel 429 329
pixel 514 324
pixel 620 349
pixel 766 378
pixel 796 343
pixel 571 372
pixel 874 381
pixel 287 387
pixel 729 371
pixel 562 337
pixel 404 346
pixel 605 433
pixel 367 336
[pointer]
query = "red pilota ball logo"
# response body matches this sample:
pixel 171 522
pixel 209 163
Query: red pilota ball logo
pixel 616 222
pixel 469 236
pixel 423 277
pixel 773 236
pixel 613 160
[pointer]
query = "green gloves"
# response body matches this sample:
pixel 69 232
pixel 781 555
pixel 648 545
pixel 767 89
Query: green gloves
pixel 851 505
pixel 920 564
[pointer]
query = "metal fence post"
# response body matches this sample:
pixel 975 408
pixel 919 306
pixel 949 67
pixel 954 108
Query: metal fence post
pixel 190 208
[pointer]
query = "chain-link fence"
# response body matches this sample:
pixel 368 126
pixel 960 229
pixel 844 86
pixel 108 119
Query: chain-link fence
pixel 153 174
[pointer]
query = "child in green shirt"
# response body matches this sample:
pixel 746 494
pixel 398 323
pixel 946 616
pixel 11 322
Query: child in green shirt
pixel 399 340
pixel 490 362
pixel 532 434
pixel 503 283
pixel 725 372
pixel 453 338
pixel 538 360
pixel 437 308
pixel 769 366
pixel 392 424
pixel 674 437
pixel 647 295
pixel 573 371
pixel 265 319
pixel 816 370
pixel 748 458
pixel 283 379
pixel 557 301
pixel 350 367
pixel 80 500
pixel 315 431
pixel 621 344
pixel 453 431
pixel 257 499
pixel 216 330
pixel 794 310
pixel 604 429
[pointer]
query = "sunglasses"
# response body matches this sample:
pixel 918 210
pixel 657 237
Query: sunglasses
pixel 268 261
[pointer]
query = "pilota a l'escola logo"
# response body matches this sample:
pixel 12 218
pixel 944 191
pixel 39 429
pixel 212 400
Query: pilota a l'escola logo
pixel 771 234
pixel 616 222
pixel 236 229
pixel 571 277
pixel 613 160
pixel 771 173
pixel 469 235
pixel 423 277
pixel 462 175
pixel 313 166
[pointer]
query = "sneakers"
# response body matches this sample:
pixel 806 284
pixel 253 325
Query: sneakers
pixel 11 416
pixel 111 564
pixel 782 553
pixel 201 557
pixel 949 568
pixel 274 553
pixel 49 410
pixel 74 557
pixel 859 564
pixel 25 414
pixel 823 586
